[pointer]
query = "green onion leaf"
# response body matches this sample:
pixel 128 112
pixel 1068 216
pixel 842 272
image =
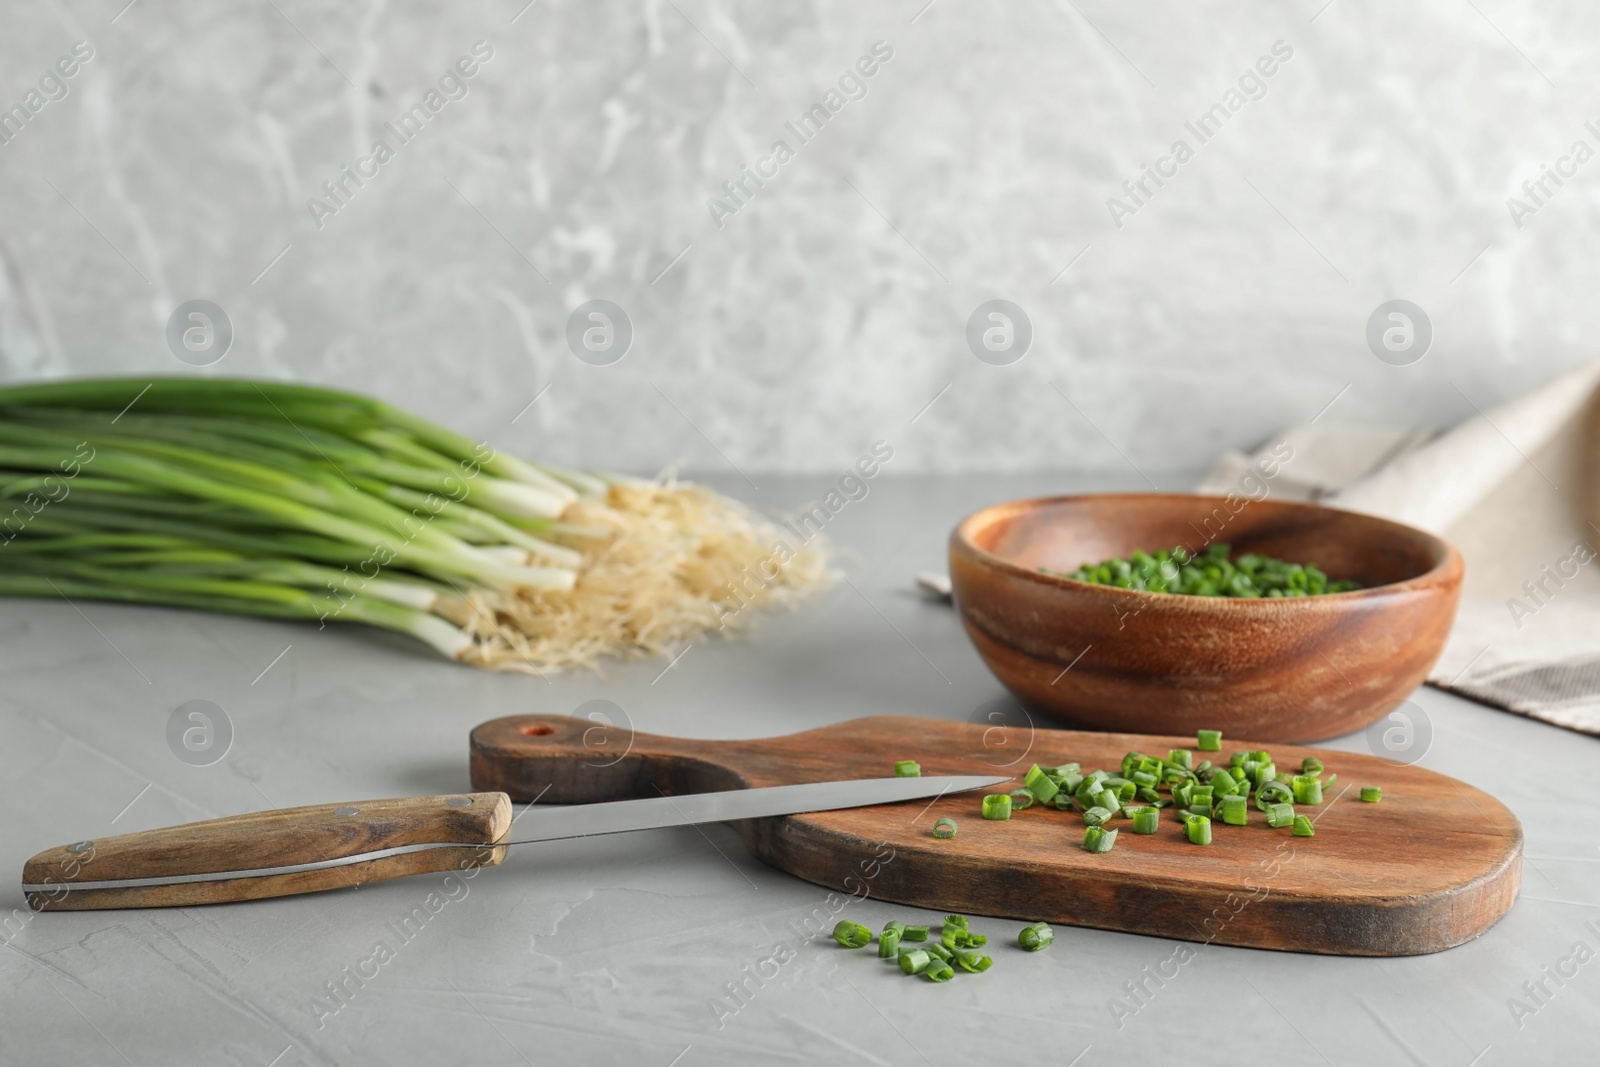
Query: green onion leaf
pixel 944 828
pixel 908 768
pixel 1371 794
pixel 1303 827
pixel 997 806
pixel 1208 740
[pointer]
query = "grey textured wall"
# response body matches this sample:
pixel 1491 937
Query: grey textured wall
pixel 792 326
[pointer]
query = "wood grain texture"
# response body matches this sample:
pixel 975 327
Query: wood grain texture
pixel 277 838
pixel 1300 669
pixel 1435 864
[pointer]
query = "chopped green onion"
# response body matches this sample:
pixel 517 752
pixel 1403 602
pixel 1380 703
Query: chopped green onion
pixel 888 945
pixel 1099 839
pixel 1147 821
pixel 1182 757
pixel 1303 827
pixel 1280 815
pixel 1096 816
pixel 896 928
pixel 945 828
pixel 915 962
pixel 1035 937
pixel 997 806
pixel 968 939
pixel 1039 784
pixel 908 768
pixel 1198 827
pixel 1235 811
pixel 939 972
pixel 1307 790
pixel 939 951
pixel 1311 765
pixel 972 962
pixel 1371 794
pixel 1273 793
pixel 1208 740
pixel 1021 800
pixel 914 933
pixel 1062 801
pixel 852 934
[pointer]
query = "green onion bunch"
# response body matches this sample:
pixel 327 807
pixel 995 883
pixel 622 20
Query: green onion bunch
pixel 1210 573
pixel 291 501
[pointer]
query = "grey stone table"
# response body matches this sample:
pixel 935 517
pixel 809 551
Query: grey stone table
pixel 624 950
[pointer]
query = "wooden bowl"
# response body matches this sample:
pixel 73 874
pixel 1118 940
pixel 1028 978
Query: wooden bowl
pixel 1290 670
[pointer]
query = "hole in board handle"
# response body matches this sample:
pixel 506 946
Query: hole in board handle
pixel 539 730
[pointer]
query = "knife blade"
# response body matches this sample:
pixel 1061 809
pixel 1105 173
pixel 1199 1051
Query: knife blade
pixel 304 850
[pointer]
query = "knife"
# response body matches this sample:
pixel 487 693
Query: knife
pixel 337 846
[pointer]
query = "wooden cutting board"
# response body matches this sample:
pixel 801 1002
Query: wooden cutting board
pixel 1436 863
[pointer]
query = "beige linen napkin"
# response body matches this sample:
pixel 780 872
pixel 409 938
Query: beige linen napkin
pixel 1516 490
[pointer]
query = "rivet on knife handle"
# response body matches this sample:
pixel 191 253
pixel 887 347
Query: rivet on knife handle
pixel 271 853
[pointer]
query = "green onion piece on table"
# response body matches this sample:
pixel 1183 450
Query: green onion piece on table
pixel 939 971
pixel 852 934
pixel 1035 937
pixel 997 806
pixel 1096 816
pixel 944 828
pixel 914 933
pixel 888 945
pixel 1021 800
pixel 1147 821
pixel 938 950
pixel 1182 757
pixel 908 768
pixel 1280 815
pixel 915 962
pixel 1303 827
pixel 895 928
pixel 1311 765
pixel 1198 829
pixel 1371 794
pixel 972 962
pixel 1208 740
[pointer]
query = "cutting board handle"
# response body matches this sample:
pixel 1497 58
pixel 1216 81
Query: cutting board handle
pixel 561 759
pixel 311 840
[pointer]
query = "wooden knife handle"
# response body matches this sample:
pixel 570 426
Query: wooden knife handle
pixel 288 837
